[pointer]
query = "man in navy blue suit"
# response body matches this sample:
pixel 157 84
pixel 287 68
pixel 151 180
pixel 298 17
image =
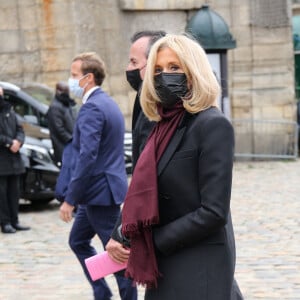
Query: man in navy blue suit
pixel 98 181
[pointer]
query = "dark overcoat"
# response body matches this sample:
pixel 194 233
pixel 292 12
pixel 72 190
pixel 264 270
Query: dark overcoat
pixel 61 120
pixel 194 240
pixel 10 129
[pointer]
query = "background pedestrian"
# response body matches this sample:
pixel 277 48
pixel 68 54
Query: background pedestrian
pixel 61 118
pixel 11 167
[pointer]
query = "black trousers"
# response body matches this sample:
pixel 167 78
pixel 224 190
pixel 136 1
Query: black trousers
pixel 9 199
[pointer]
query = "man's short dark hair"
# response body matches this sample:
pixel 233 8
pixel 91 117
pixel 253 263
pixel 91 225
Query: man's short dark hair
pixel 92 63
pixel 153 37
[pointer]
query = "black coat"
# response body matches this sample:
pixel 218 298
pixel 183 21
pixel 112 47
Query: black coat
pixel 141 128
pixel 61 120
pixel 195 239
pixel 10 129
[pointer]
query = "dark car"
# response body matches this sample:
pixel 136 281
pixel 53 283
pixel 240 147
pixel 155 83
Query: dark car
pixel 32 112
pixel 38 183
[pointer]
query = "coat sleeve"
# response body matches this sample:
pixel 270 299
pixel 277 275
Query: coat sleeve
pixel 90 123
pixel 20 135
pixel 215 162
pixel 5 140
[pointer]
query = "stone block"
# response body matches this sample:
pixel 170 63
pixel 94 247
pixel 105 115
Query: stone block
pixel 115 53
pixel 272 97
pixel 272 52
pixel 122 101
pixel 28 16
pixel 242 35
pixel 8 16
pixel 51 78
pixel 242 80
pixel 118 83
pixel 241 98
pixel 257 113
pixel 280 35
pixel 31 40
pixel 31 62
pixel 106 86
pixel 272 112
pixel 243 54
pixel 10 41
pixel 10 65
pixel 241 113
pixel 170 21
pixel 240 15
pixel 56 60
pixel 266 67
pixel 56 37
pixel 56 13
pixel 271 80
pixel 290 112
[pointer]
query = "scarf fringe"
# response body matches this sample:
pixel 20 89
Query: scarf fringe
pixel 132 229
pixel 149 283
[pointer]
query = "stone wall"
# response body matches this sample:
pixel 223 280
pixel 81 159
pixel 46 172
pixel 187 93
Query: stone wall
pixel 261 68
pixel 40 37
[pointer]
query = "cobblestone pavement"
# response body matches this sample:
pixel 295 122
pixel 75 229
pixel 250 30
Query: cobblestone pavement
pixel 38 264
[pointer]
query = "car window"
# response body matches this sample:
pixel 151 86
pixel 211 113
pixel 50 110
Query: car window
pixel 20 107
pixel 42 94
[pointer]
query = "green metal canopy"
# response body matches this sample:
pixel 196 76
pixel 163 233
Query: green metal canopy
pixel 210 30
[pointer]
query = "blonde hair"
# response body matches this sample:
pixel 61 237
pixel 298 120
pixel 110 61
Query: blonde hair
pixel 203 85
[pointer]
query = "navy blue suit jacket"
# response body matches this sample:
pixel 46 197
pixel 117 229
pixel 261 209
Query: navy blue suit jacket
pixel 98 174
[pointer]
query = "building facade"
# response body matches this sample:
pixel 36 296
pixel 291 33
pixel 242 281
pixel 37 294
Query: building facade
pixel 40 37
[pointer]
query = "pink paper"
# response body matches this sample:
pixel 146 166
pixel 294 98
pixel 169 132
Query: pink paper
pixel 101 265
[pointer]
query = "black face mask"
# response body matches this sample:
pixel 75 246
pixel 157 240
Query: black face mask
pixel 170 87
pixel 64 98
pixel 134 78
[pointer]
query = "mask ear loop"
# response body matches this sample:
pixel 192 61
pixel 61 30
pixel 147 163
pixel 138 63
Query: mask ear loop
pixel 143 67
pixel 84 87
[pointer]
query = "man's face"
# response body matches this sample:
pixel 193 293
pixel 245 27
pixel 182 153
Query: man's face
pixel 76 72
pixel 137 56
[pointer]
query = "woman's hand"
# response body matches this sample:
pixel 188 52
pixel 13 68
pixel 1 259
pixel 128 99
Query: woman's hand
pixel 117 251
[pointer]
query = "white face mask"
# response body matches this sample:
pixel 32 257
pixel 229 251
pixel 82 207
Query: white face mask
pixel 75 88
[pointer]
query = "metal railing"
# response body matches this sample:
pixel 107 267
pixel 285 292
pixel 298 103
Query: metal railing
pixel 265 139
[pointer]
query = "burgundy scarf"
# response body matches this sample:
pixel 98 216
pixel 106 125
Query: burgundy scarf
pixel 140 211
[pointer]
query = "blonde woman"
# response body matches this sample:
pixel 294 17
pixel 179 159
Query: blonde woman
pixel 177 209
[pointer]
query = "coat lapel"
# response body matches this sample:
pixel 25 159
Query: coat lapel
pixel 174 143
pixel 170 149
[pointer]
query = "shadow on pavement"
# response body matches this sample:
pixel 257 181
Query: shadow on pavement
pixel 28 207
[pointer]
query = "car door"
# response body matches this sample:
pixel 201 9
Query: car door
pixel 33 121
